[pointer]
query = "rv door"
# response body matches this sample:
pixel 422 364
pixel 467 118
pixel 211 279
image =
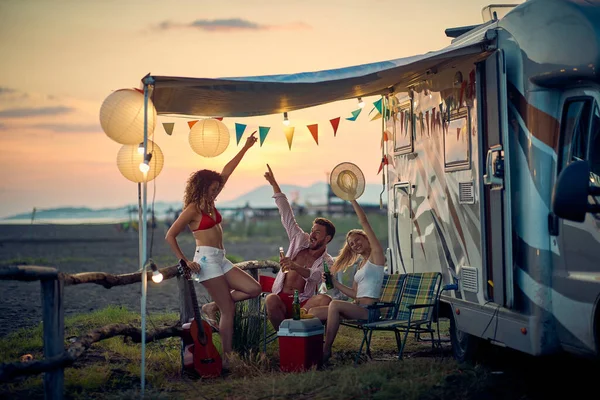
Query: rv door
pixel 496 208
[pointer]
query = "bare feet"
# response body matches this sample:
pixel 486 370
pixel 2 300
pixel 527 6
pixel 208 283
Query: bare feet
pixel 209 313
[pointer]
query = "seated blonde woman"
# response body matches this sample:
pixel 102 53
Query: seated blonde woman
pixel 361 245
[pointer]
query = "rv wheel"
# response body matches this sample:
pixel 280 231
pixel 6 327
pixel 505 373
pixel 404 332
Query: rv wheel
pixel 464 345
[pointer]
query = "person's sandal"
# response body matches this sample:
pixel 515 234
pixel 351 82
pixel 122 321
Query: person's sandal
pixel 214 324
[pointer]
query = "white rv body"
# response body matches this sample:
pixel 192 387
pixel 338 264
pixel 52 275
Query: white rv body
pixel 474 152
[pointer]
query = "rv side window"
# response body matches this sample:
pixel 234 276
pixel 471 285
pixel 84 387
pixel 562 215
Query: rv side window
pixel 576 120
pixel 457 154
pixel 581 136
pixel 403 129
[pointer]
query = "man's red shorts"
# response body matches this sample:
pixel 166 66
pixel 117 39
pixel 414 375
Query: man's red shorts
pixel 288 301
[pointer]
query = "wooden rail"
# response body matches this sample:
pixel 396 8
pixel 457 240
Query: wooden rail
pixel 52 283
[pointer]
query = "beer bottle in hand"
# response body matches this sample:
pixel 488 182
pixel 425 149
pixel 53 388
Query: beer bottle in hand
pixel 281 257
pixel 328 279
pixel 296 306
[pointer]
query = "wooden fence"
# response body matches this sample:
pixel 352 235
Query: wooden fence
pixel 53 282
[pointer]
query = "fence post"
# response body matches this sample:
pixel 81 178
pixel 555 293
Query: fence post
pixel 54 335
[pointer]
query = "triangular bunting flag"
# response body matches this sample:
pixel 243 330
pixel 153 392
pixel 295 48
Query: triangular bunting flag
pixel 289 134
pixel 384 161
pixel 191 123
pixel 218 118
pixel 314 130
pixel 169 127
pixel 384 138
pixel 376 117
pixel 355 114
pixel 378 105
pixel 335 123
pixel 390 161
pixel 263 131
pixel 239 131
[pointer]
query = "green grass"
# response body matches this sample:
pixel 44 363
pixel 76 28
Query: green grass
pixel 111 368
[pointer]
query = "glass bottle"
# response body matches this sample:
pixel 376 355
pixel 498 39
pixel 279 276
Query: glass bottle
pixel 296 306
pixel 281 257
pixel 328 278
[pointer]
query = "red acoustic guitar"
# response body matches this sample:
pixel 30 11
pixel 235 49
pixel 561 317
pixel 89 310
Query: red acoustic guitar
pixel 200 353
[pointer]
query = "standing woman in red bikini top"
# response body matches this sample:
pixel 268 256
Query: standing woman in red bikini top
pixel 225 283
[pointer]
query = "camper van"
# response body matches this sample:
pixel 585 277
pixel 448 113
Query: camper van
pixel 493 167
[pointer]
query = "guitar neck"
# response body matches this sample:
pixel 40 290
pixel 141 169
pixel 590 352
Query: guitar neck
pixel 197 315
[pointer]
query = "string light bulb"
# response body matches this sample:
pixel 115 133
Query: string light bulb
pixel 145 166
pixel 141 148
pixel 286 121
pixel 361 103
pixel 157 277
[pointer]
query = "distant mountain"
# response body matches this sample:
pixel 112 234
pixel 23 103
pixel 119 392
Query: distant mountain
pixel 260 197
pixel 161 209
pixel 315 194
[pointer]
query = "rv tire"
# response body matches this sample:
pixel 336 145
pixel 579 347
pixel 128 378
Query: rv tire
pixel 464 345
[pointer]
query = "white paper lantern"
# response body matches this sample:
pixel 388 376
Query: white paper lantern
pixel 209 137
pixel 122 116
pixel 129 160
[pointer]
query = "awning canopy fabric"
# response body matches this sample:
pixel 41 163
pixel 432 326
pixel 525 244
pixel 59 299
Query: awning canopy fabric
pixel 261 95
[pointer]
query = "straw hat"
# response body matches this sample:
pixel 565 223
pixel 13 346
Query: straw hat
pixel 347 181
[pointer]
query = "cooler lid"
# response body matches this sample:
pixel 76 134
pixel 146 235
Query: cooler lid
pixel 305 326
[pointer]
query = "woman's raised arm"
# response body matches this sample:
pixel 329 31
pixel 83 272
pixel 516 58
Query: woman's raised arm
pixel 232 165
pixel 377 257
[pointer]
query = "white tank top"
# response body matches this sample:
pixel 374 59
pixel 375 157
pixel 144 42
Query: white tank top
pixel 368 280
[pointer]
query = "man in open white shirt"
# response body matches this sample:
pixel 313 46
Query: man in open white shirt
pixel 303 261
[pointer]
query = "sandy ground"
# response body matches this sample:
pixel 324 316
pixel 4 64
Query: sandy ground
pixel 86 248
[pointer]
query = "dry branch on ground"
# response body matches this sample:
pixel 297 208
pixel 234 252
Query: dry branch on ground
pixel 81 344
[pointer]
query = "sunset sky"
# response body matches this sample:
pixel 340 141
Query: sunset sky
pixel 61 59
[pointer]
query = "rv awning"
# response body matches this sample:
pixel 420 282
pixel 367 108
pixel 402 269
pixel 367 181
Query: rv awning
pixel 261 95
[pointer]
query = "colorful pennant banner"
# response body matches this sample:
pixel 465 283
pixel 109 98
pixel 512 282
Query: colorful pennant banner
pixel 263 131
pixel 314 130
pixel 169 127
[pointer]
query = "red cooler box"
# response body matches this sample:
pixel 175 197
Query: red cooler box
pixel 300 344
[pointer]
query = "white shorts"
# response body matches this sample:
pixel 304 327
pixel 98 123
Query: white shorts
pixel 212 263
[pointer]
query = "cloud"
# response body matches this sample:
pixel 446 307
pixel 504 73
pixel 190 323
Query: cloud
pixel 69 128
pixel 34 111
pixel 230 25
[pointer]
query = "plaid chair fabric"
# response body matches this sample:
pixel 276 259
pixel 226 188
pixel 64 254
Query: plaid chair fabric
pixel 419 289
pixel 390 294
